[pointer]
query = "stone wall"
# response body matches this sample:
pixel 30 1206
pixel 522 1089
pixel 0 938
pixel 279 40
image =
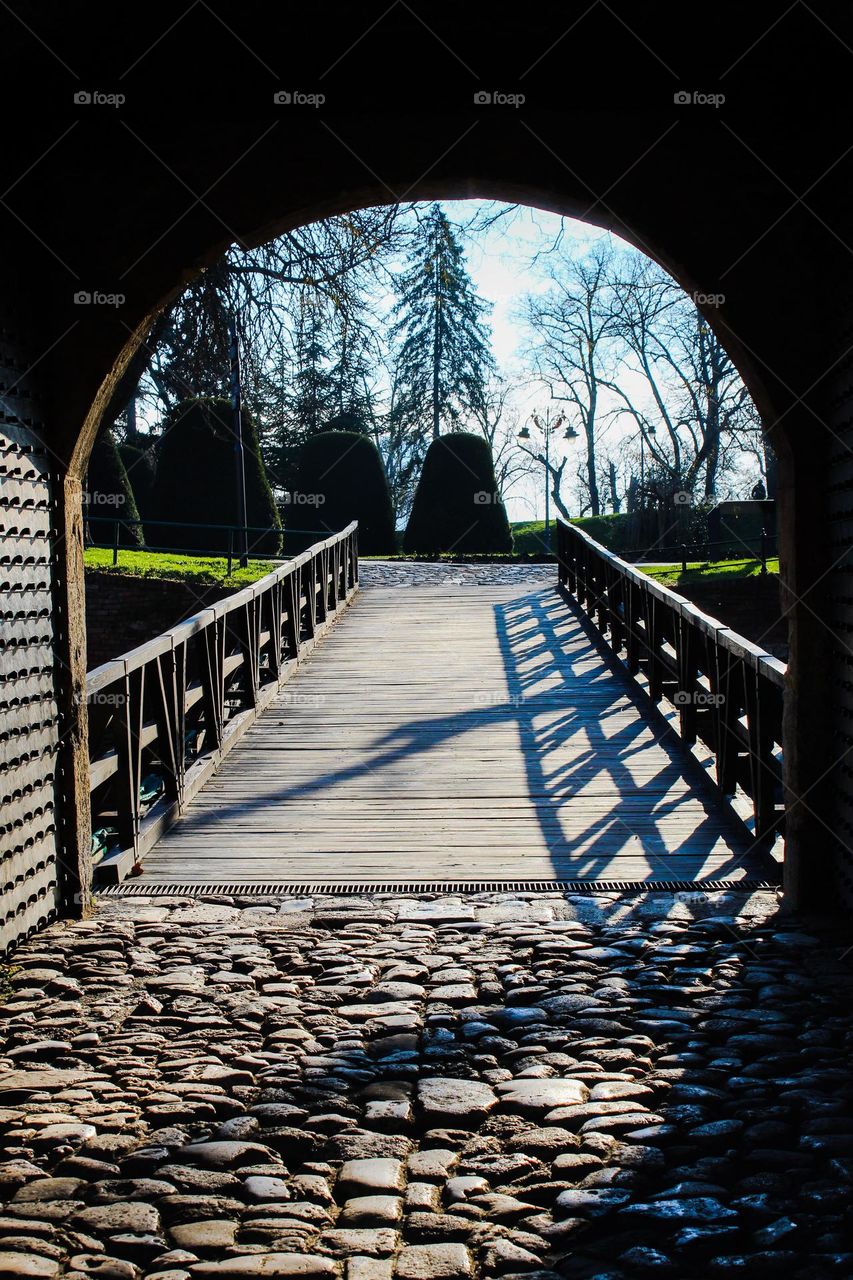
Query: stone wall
pixel 123 612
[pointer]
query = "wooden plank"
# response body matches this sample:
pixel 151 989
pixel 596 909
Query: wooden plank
pixel 456 733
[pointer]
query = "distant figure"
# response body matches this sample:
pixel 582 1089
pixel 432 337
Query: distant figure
pixel 759 492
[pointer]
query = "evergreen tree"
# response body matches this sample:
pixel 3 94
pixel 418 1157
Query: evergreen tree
pixel 195 481
pixel 109 496
pixel 445 348
pixel 344 470
pixel 314 397
pixel 457 506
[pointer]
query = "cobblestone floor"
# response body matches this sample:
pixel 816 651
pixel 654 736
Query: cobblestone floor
pixel 432 1088
pixel 415 573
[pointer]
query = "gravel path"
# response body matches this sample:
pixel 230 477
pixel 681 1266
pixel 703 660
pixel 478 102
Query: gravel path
pixel 433 1088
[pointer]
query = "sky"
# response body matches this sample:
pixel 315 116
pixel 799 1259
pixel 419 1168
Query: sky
pixel 500 263
pixel 506 262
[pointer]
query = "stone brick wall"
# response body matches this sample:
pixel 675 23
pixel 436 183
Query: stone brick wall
pixel 123 612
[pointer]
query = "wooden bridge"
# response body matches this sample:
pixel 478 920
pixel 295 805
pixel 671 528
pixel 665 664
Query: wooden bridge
pixel 438 735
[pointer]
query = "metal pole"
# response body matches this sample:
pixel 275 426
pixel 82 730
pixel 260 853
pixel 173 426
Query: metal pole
pixel 239 453
pixel 547 486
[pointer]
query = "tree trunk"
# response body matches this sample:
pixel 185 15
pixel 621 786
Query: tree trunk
pixel 770 470
pixel 556 476
pixel 130 418
pixel 615 500
pixel 591 478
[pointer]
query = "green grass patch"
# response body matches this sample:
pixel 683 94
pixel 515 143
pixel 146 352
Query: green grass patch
pixel 528 536
pixel 208 570
pixel 672 575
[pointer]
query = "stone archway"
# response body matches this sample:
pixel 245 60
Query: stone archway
pixel 137 207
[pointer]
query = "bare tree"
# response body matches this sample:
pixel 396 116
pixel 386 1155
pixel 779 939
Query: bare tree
pixel 572 327
pixel 693 406
pixel 496 418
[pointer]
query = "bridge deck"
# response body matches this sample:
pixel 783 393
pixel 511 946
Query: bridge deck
pixel 456 733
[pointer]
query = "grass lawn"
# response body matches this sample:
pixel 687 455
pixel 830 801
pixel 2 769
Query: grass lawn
pixel 718 571
pixel 529 536
pixel 209 570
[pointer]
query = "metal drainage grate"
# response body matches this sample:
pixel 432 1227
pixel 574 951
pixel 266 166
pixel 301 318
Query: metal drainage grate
pixel 347 888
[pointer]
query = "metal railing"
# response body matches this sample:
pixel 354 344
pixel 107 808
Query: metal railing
pixel 760 549
pixel 163 716
pixel 727 691
pixel 231 541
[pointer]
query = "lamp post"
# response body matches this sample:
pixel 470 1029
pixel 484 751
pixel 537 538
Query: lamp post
pixel 651 431
pixel 546 431
pixel 239 454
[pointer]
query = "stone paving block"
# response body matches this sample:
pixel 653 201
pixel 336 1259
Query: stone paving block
pixel 268 1266
pixel 369 1268
pixel 376 1211
pixel 462 1102
pixel 375 1242
pixel 434 1262
pixel 368 1176
pixel 207 1234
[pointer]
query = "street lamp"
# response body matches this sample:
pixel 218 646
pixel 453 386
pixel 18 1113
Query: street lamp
pixel 547 430
pixel 651 431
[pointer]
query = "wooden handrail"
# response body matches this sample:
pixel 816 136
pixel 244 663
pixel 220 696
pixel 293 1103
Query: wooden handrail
pixel 728 692
pixel 172 708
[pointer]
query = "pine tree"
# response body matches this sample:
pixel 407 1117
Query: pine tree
pixel 314 399
pixel 445 347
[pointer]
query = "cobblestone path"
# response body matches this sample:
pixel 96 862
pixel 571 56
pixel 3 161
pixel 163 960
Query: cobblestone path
pixel 432 1088
pixel 420 573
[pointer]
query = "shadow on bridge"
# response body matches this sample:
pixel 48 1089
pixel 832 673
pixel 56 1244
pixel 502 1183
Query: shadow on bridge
pixel 551 765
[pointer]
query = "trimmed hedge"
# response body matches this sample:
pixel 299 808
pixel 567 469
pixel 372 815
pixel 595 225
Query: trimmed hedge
pixel 660 532
pixel 195 481
pixel 141 472
pixel 456 506
pixel 109 495
pixel 342 475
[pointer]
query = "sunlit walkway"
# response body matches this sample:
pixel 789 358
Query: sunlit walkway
pixel 456 733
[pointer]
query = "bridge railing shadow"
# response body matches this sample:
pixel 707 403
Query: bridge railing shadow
pixel 609 785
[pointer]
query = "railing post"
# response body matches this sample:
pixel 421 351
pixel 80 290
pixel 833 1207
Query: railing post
pixel 116 529
pixel 129 753
pixel 230 549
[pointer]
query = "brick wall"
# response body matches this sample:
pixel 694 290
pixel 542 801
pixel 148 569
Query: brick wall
pixel 122 611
